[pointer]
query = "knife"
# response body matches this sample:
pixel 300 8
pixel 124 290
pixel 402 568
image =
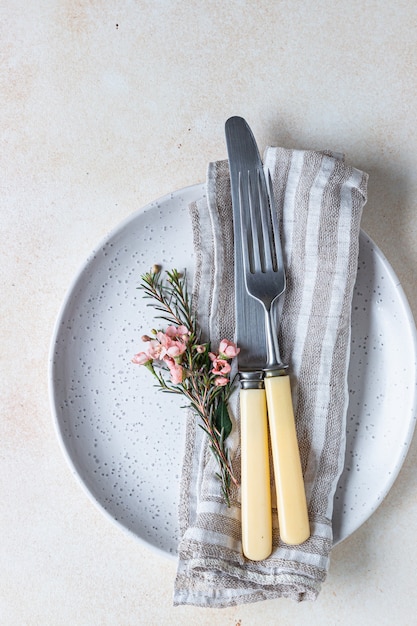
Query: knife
pixel 256 511
pixel 244 161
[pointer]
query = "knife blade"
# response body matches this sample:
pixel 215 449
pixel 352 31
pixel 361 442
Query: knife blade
pixel 256 512
pixel 245 161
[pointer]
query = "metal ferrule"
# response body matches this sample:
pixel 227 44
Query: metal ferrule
pixel 277 370
pixel 252 380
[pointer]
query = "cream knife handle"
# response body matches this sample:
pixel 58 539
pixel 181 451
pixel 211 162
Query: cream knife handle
pixel 291 500
pixel 255 476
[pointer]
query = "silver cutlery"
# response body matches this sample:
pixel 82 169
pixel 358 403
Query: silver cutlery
pixel 259 280
pixel 256 511
pixel 265 281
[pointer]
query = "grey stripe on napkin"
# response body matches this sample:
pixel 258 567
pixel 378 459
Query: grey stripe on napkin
pixel 319 201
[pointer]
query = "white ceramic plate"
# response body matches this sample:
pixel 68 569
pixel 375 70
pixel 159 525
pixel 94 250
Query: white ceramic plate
pixel 124 439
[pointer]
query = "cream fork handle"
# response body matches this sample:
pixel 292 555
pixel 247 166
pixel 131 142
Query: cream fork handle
pixel 291 499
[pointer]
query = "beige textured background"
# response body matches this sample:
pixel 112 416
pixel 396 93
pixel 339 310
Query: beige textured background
pixel 105 107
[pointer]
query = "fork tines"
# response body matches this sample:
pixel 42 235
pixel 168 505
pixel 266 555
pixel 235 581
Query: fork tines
pixel 260 229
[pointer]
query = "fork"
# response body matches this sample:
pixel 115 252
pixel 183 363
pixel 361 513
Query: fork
pixel 262 256
pixel 265 281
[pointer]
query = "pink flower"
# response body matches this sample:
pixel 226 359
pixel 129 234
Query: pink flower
pixel 141 358
pixel 175 370
pixel 200 348
pixel 176 349
pixel 164 346
pixel 178 332
pixel 228 349
pixel 221 381
pixel 221 366
pixel 171 345
pixel 156 350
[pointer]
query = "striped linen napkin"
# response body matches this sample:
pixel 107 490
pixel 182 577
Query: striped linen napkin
pixel 319 200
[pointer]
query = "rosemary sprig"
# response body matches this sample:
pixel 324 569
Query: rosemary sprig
pixel 171 296
pixel 182 365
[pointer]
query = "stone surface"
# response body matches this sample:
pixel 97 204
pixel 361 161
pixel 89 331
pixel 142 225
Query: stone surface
pixel 105 108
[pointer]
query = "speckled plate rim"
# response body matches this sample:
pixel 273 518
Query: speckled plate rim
pixel 412 416
pixel 197 191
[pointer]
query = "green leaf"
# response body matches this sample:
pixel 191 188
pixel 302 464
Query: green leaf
pixel 222 419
